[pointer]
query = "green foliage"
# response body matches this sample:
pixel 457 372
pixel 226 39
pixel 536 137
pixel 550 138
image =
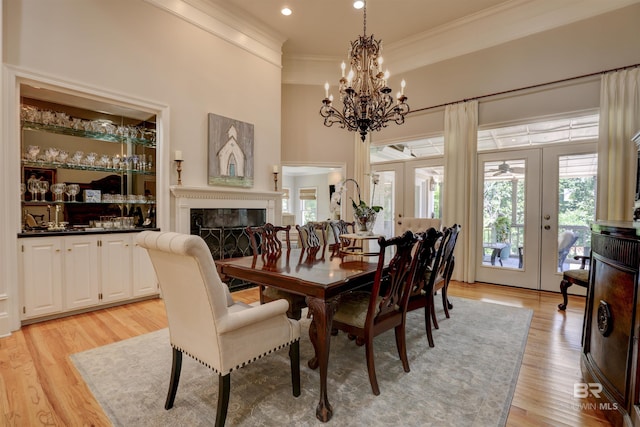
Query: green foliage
pixel 502 226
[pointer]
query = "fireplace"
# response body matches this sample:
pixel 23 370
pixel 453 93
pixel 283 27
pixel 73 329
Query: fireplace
pixel 220 217
pixel 224 229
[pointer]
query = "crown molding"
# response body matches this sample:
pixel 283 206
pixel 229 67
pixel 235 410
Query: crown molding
pixel 219 21
pixel 500 24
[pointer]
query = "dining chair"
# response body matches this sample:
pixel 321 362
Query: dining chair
pixel 341 227
pixel 266 242
pixel 312 234
pixel 437 275
pixel 566 240
pixel 366 314
pixel 204 321
pixel 578 276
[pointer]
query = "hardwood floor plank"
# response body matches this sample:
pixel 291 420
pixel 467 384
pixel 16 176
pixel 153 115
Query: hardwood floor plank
pixel 41 387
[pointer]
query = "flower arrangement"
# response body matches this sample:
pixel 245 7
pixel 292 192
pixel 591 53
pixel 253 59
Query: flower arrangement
pixel 364 214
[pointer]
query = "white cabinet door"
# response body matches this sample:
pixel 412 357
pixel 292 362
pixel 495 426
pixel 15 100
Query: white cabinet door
pixel 144 276
pixel 41 276
pixel 81 273
pixel 115 267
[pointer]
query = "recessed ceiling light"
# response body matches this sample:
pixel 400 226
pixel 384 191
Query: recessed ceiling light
pixel 359 4
pixel 286 11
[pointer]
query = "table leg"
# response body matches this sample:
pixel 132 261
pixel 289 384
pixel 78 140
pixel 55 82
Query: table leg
pixel 320 335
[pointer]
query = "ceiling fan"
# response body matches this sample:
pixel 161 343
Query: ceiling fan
pixel 505 168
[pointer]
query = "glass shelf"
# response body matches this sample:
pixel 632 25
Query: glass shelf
pixel 66 202
pixel 108 137
pixel 59 165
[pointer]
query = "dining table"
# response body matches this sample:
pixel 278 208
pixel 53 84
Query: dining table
pixel 322 279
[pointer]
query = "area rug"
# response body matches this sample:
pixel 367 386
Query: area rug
pixel 468 379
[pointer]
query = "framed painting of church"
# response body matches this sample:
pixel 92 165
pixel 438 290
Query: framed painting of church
pixel 230 152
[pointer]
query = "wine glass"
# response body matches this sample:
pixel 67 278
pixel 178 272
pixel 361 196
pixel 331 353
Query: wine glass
pixel 33 187
pixel 43 187
pixel 51 153
pixel 91 158
pixel 33 151
pixel 73 190
pixel 77 156
pixel 116 161
pixel 58 190
pixel 62 156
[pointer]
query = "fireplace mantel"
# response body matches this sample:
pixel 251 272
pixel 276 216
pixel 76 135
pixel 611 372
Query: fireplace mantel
pixel 191 197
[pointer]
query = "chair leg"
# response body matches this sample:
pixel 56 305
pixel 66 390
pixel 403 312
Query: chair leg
pixel 401 344
pixel 433 315
pixel 564 285
pixel 371 367
pixel 224 386
pixel 294 357
pixel 261 289
pixel 428 310
pixel 445 301
pixel 176 367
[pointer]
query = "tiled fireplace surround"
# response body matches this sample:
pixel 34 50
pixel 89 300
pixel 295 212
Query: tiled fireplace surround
pixel 220 215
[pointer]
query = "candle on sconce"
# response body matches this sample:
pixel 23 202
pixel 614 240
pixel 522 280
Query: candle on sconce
pixel 275 168
pixel 326 93
pixel 178 155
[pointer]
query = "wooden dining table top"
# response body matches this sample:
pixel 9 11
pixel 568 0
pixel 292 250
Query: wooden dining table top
pixel 311 273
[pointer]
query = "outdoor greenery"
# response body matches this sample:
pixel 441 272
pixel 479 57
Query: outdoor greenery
pixel 576 205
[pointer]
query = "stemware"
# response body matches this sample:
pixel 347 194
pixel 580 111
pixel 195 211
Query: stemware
pixel 51 154
pixel 62 156
pixel 23 189
pixel 33 187
pixel 73 190
pixel 33 151
pixel 77 156
pixel 116 161
pixel 91 158
pixel 58 190
pixel 43 187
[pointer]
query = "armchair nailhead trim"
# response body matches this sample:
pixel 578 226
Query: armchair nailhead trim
pixel 238 366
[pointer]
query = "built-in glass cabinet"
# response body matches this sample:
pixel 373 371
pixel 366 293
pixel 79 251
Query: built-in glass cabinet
pixel 87 165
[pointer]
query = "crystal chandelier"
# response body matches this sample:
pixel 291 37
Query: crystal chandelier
pixel 367 105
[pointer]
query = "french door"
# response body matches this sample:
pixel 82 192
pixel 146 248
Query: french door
pixel 411 189
pixel 528 200
pixel 508 221
pixel 389 193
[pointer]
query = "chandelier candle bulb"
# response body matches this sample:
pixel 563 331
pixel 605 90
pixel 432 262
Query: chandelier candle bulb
pixel 326 91
pixel 402 85
pixel 344 67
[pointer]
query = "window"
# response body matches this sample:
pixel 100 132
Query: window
pixel 285 200
pixel 308 204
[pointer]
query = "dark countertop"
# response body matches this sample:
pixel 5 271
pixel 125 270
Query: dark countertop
pixel 78 232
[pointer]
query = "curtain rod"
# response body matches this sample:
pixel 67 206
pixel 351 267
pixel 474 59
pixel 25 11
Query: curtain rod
pixel 526 88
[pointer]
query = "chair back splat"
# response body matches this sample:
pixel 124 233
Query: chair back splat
pixel 204 321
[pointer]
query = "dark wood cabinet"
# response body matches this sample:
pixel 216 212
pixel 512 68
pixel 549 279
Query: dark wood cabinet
pixel 612 323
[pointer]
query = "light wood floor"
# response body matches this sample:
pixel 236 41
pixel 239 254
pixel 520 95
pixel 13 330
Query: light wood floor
pixel 40 386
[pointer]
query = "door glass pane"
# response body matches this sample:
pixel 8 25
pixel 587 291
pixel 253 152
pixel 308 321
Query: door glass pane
pixel 384 195
pixel 576 207
pixel 428 192
pixel 503 213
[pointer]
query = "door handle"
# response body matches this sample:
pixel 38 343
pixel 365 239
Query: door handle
pixel 547 227
pixel 547 217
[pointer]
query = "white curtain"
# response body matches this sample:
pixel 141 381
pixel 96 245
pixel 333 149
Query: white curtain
pixel 617 154
pixel 460 164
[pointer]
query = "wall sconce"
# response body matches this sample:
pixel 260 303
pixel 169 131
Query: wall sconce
pixel 275 177
pixel 178 159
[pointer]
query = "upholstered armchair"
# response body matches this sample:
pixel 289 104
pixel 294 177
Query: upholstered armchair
pixel 204 321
